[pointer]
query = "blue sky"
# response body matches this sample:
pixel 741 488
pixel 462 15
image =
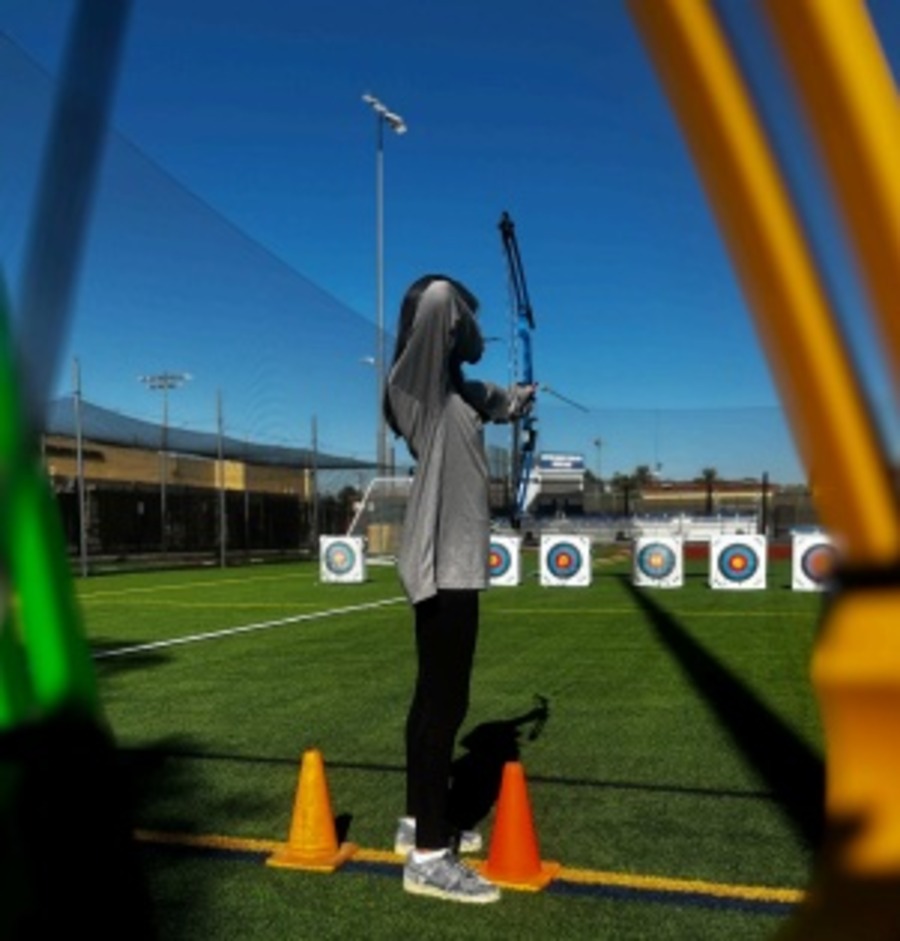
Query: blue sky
pixel 240 129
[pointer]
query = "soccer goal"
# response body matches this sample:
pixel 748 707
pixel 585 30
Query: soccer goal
pixel 379 516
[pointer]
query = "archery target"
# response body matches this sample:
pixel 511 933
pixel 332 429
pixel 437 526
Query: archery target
pixel 737 562
pixel 658 562
pixel 503 560
pixel 341 559
pixel 566 561
pixel 813 558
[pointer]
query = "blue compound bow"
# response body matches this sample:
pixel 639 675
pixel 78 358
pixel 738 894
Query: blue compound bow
pixel 525 429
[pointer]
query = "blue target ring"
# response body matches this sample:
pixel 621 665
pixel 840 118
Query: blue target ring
pixel 564 560
pixel 657 560
pixel 499 560
pixel 340 557
pixel 738 563
pixel 817 563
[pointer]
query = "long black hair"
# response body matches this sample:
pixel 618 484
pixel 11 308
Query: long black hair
pixel 408 308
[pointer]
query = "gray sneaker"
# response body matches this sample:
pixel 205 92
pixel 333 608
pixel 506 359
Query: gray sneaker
pixel 405 839
pixel 445 877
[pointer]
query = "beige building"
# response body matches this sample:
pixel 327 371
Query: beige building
pixel 146 488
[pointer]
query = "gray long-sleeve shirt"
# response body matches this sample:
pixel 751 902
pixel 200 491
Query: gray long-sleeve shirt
pixel 446 530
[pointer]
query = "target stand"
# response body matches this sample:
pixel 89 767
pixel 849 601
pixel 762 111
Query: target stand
pixel 813 560
pixel 342 559
pixel 504 560
pixel 658 562
pixel 565 561
pixel 738 562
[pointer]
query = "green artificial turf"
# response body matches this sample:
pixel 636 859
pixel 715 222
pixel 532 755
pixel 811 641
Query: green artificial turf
pixel 680 740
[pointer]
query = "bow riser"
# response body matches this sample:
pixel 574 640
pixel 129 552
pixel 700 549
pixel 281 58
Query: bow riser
pixel 525 433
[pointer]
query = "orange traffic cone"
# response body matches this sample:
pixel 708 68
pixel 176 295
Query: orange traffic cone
pixel 514 860
pixel 312 843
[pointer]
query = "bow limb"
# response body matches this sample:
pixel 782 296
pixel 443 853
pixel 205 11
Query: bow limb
pixel 525 430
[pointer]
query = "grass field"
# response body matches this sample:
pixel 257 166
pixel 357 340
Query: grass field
pixel 677 777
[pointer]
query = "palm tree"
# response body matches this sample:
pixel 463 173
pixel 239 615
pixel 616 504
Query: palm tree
pixel 643 475
pixel 624 484
pixel 709 475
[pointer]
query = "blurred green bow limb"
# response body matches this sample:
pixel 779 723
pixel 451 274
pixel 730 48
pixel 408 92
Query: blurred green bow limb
pixel 45 662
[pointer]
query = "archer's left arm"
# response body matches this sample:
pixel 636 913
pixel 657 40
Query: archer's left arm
pixel 497 404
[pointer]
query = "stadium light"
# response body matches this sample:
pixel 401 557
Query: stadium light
pixel 164 382
pixel 598 444
pixel 398 126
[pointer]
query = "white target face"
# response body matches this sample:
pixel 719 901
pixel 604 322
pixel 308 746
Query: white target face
pixel 813 560
pixel 566 561
pixel 658 562
pixel 738 562
pixel 341 559
pixel 504 565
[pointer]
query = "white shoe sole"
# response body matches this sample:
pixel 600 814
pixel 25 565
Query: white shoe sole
pixel 417 888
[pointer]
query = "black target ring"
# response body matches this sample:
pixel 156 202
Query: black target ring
pixel 657 560
pixel 564 560
pixel 499 560
pixel 738 563
pixel 340 557
pixel 817 562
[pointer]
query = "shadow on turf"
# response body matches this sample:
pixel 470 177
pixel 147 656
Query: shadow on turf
pixel 169 784
pixel 68 861
pixel 794 773
pixel 476 775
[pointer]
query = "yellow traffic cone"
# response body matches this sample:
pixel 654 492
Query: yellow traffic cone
pixel 312 843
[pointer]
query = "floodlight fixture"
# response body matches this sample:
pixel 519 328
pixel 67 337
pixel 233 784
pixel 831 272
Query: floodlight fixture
pixel 165 380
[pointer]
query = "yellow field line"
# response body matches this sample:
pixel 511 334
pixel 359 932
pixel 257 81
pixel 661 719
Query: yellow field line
pixel 209 841
pixel 186 586
pixel 171 603
pixel 632 611
pixel 589 877
pixel 756 893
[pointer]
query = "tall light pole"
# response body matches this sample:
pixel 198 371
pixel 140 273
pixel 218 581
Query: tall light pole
pixel 598 444
pixel 163 382
pixel 79 469
pixel 395 123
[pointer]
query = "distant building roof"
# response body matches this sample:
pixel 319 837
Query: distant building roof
pixel 104 426
pixel 664 488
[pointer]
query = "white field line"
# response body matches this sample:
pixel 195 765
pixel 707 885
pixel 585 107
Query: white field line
pixel 245 629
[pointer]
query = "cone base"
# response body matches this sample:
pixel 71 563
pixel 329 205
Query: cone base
pixel 289 858
pixel 547 872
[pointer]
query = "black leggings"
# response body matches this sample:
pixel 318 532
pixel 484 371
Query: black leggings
pixel 446 632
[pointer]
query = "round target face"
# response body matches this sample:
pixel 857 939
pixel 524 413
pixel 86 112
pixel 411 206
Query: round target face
pixel 340 558
pixel 738 563
pixel 499 560
pixel 817 563
pixel 656 560
pixel 564 560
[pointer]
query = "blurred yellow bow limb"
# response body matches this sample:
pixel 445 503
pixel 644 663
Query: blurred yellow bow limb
pixel 845 85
